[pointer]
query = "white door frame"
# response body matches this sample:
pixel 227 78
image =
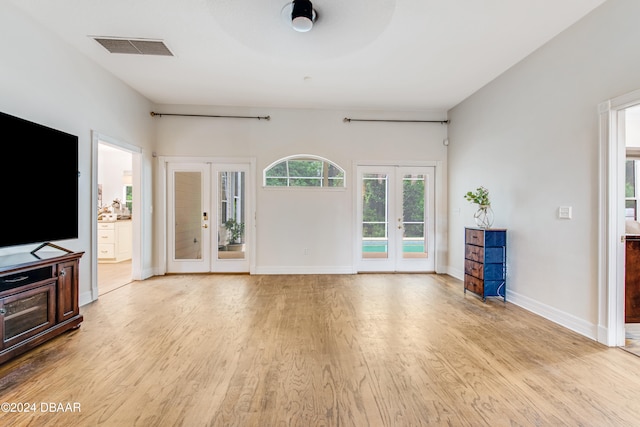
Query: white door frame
pixel 439 208
pixel 611 219
pixel 161 224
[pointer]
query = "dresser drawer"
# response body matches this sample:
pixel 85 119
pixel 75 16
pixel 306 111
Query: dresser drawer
pixel 494 255
pixel 106 236
pixel 474 253
pixel 475 237
pixel 474 284
pixel 493 272
pixel 106 226
pixel 106 250
pixel 494 287
pixel 473 268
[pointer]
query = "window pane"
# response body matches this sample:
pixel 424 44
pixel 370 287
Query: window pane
pixel 277 182
pixel 305 168
pixel 374 195
pixel 305 182
pixel 630 211
pixel 304 172
pixel 278 170
pixel 231 215
pixel 128 197
pixel 336 182
pixel 378 230
pixel 630 187
pixel 413 198
pixel 188 208
pixel 414 230
pixel 335 172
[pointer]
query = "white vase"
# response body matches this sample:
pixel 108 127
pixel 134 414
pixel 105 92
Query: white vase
pixel 484 216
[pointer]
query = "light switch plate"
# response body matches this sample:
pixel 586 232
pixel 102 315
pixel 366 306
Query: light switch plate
pixel 564 212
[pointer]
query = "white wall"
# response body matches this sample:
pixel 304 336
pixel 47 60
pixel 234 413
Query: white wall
pixel 289 220
pixel 531 137
pixel 45 81
pixel 632 127
pixel 113 165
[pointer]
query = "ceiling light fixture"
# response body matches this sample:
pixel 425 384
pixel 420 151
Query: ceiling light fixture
pixel 302 15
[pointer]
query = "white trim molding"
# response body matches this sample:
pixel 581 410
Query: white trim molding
pixel 611 246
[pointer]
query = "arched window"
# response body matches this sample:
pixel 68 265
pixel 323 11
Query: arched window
pixel 304 170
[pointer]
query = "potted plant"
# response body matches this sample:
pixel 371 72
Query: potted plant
pixel 236 233
pixel 484 214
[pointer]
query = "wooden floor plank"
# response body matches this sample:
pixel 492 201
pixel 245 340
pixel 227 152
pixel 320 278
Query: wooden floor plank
pixel 318 350
pixel 113 275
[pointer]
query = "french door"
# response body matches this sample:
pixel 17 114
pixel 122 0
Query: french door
pixel 208 217
pixel 396 228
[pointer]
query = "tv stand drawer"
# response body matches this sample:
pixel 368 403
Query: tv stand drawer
pixel 28 277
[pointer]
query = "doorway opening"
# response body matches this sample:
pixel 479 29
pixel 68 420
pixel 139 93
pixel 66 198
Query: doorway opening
pixel 632 230
pixel 117 202
pixel 617 216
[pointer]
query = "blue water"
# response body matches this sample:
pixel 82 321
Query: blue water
pixel 381 246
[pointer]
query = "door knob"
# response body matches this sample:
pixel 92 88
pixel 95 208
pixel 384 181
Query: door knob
pixel 205 226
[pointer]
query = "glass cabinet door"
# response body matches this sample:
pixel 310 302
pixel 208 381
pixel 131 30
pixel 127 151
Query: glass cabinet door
pixel 27 313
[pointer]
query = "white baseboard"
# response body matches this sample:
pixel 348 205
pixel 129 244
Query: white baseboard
pixel 567 320
pixel 455 272
pixel 304 270
pixel 85 298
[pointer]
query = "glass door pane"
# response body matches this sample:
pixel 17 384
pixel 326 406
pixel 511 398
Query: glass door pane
pixel 234 220
pixel 231 215
pixel 413 216
pixel 187 208
pixel 375 215
pixel 188 218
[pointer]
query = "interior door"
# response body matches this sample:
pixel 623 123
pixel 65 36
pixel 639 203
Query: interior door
pixel 396 228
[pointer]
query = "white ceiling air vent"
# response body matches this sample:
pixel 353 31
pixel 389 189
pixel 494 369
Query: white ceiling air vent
pixel 134 46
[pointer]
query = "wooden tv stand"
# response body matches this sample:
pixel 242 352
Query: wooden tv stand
pixel 38 299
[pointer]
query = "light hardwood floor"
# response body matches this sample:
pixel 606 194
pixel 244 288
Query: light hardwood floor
pixel 632 341
pixel 113 275
pixel 327 350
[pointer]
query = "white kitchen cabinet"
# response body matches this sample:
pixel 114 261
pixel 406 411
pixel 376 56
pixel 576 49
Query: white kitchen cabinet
pixel 114 241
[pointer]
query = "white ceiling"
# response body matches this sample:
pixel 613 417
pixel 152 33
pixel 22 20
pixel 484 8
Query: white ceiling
pixel 422 55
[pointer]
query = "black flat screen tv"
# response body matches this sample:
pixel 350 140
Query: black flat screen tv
pixel 39 183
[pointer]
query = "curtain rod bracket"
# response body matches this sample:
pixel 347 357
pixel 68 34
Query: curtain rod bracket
pixel 154 114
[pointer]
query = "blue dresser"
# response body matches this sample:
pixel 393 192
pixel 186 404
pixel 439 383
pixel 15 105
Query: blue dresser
pixel 485 262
